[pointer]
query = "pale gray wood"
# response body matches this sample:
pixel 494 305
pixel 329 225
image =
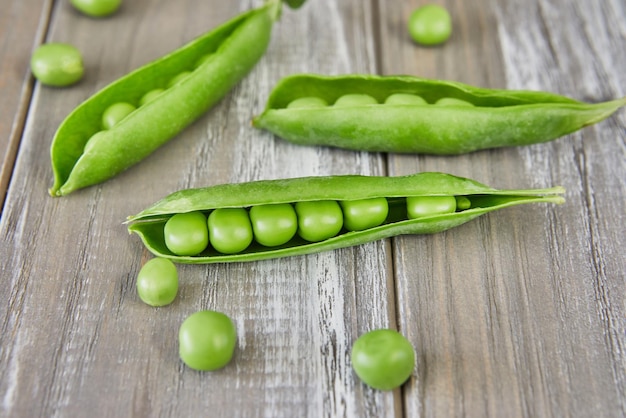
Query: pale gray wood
pixel 522 313
pixel 22 26
pixel 76 340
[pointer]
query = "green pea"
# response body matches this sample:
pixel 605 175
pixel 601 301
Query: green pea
pixel 186 233
pixel 294 4
pixel 97 8
pixel 57 64
pixel 359 215
pixel 157 282
pixel 95 138
pixel 419 206
pixel 230 231
pixel 150 96
pixel 206 340
pixel 178 79
pixel 430 25
pixel 319 220
pixel 273 224
pixel 383 359
pixel 355 100
pixel 451 101
pixel 307 102
pixel 115 113
pixel 463 203
pixel 405 99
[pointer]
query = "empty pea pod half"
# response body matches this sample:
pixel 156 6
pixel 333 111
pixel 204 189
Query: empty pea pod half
pixel 130 118
pixel 278 218
pixel 405 114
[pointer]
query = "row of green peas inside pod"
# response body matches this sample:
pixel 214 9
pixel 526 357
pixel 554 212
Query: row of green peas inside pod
pixel 117 112
pixel 232 230
pixel 360 99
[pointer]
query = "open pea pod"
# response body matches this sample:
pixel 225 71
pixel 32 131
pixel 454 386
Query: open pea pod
pixel 422 203
pixel 404 114
pixel 130 118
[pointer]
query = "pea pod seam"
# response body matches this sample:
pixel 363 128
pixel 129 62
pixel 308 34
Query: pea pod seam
pixel 149 224
pixel 473 119
pixel 223 57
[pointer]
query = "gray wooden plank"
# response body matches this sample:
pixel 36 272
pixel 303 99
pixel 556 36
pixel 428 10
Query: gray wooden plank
pixel 75 338
pixel 22 26
pixel 521 313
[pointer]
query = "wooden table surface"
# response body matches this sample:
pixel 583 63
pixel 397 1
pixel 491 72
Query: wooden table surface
pixel 520 313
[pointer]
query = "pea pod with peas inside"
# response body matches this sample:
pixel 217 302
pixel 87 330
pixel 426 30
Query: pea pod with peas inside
pixel 278 218
pixel 129 119
pixel 405 114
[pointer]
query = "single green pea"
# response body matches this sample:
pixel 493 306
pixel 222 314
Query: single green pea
pixel 359 215
pixel 273 224
pixel 430 25
pixel 307 102
pixel 150 96
pixel 319 220
pixel 451 101
pixel 206 340
pixel 230 231
pixel 115 113
pixel 178 79
pixel 95 138
pixel 97 8
pixel 405 99
pixel 419 206
pixel 463 203
pixel 383 359
pixel 294 4
pixel 57 64
pixel 186 233
pixel 355 100
pixel 157 282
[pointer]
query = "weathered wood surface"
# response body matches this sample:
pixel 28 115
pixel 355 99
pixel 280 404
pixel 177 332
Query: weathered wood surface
pixel 22 25
pixel 520 313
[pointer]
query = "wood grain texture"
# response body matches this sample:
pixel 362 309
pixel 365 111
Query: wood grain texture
pixel 521 313
pixel 23 25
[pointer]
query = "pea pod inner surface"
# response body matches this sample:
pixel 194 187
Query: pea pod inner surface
pixel 472 118
pixel 211 64
pixel 149 224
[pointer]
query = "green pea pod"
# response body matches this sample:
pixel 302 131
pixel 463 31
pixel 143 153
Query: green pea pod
pixel 474 199
pixel 212 63
pixel 475 118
